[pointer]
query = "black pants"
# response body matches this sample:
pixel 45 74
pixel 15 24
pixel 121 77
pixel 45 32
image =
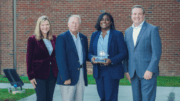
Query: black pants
pixel 45 88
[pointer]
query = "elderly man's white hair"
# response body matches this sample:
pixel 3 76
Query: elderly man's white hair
pixel 75 16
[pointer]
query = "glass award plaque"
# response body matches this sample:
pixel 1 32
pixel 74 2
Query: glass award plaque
pixel 101 57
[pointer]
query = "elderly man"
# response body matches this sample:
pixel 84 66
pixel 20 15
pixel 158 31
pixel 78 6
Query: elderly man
pixel 71 55
pixel 144 48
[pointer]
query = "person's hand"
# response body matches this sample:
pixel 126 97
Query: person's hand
pixel 67 82
pixel 93 60
pixel 128 77
pixel 108 61
pixel 33 82
pixel 148 75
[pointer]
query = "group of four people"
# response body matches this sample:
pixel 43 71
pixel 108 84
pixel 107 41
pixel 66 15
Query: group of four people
pixel 62 60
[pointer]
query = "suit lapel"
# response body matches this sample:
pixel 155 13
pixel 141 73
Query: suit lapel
pixel 96 42
pixel 131 36
pixel 109 40
pixel 71 41
pixel 83 46
pixel 141 33
pixel 53 45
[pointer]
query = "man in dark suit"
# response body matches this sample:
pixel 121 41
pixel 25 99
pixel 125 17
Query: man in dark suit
pixel 144 48
pixel 71 55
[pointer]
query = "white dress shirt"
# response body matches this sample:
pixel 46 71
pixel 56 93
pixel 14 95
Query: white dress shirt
pixel 136 31
pixel 77 42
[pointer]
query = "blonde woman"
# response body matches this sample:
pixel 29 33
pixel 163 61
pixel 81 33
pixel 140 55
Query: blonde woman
pixel 41 62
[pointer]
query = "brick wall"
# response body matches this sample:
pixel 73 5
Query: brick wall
pixel 163 13
pixel 6 34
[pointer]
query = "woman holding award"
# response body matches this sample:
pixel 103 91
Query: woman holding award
pixel 106 52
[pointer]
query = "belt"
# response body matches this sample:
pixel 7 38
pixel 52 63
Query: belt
pixel 81 66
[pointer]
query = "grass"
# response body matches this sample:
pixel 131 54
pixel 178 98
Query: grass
pixel 5 95
pixel 5 80
pixel 161 80
pixel 166 81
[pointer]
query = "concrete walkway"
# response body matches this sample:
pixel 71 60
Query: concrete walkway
pixel 125 93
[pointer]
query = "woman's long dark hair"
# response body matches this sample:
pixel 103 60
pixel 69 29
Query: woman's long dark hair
pixel 98 27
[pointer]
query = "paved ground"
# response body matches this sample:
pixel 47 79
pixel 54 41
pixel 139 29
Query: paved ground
pixel 125 93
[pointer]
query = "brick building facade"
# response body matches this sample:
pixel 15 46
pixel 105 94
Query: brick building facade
pixel 162 13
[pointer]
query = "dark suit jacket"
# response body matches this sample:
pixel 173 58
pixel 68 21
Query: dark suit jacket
pixel 68 60
pixel 38 59
pixel 147 52
pixel 117 52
